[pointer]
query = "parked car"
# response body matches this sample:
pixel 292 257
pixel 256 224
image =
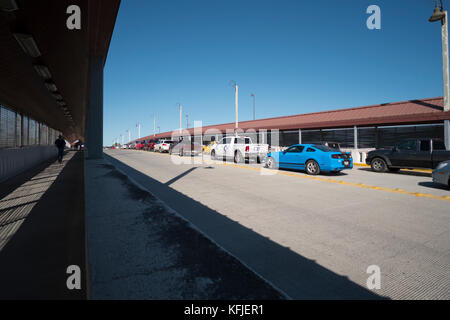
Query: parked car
pixel 163 145
pixel 312 158
pixel 441 174
pixel 207 148
pixel 149 145
pixel 239 148
pixel 412 153
pixel 184 148
pixel 139 145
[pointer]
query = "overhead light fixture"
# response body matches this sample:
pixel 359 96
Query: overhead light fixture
pixel 43 71
pixel 8 5
pixel 51 86
pixel 28 44
pixel 57 96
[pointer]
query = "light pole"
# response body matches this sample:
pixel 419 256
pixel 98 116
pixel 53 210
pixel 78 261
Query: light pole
pixel 139 130
pixel 121 137
pixel 180 109
pixel 440 15
pixel 234 84
pixel 159 130
pixel 253 95
pixel 154 123
pixel 129 135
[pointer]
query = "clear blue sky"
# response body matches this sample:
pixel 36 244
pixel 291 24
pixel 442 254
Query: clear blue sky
pixel 295 56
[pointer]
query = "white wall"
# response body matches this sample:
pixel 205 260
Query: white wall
pixel 16 160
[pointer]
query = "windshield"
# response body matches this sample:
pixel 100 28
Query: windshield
pixel 324 148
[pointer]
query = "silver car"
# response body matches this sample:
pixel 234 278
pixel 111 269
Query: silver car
pixel 442 173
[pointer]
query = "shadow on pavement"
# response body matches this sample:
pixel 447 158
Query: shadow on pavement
pixel 297 276
pixel 433 185
pixel 50 234
pixel 401 172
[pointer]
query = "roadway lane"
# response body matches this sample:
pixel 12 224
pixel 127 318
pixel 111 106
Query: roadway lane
pixel 313 238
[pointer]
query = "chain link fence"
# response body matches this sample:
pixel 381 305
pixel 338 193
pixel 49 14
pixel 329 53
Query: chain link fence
pixel 17 130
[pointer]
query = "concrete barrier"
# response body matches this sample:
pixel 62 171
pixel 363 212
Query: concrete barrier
pixel 16 160
pixel 359 155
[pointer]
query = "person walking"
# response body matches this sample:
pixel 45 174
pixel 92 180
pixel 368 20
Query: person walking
pixel 60 143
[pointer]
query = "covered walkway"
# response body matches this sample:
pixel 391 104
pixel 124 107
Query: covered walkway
pixel 42 231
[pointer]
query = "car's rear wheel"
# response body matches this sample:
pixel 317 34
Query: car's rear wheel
pixel 270 163
pixel 238 157
pixel 258 160
pixel 213 155
pixel 378 165
pixel 312 167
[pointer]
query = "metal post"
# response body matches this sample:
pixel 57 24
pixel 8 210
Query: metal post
pixel 180 107
pixel 299 136
pixel 236 103
pixel 254 116
pixel 139 130
pixel 154 125
pixel 444 31
pixel 355 137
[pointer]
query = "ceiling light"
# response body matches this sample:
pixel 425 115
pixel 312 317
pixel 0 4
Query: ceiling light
pixel 57 96
pixel 51 86
pixel 28 44
pixel 8 5
pixel 43 71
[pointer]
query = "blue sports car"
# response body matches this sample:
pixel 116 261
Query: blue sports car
pixel 312 158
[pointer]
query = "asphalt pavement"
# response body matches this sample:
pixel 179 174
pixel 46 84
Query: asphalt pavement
pixel 312 237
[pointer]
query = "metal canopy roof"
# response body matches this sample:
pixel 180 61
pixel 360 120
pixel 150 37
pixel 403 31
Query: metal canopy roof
pixel 397 113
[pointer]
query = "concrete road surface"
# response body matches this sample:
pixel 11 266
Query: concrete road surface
pixel 313 237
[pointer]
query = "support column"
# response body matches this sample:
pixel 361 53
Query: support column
pixel 94 117
pixel 447 134
pixel 355 137
pixel 299 136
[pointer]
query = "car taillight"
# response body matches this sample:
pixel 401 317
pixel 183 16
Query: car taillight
pixel 164 144
pixel 247 148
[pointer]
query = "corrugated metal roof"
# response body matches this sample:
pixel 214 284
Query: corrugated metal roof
pixel 397 113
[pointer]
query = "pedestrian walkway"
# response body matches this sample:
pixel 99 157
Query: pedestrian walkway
pixel 42 231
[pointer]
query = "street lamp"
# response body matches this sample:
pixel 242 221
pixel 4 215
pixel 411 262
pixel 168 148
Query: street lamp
pixel 439 14
pixel 252 95
pixel 235 86
pixel 138 125
pixel 159 130
pixel 180 109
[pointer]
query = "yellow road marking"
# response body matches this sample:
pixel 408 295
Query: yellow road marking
pixel 361 185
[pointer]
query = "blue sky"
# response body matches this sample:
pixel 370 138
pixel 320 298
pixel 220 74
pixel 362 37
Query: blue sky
pixel 295 56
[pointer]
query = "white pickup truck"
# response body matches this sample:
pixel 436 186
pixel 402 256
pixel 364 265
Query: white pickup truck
pixel 239 148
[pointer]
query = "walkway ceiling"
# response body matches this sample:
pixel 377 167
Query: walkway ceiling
pixel 64 52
